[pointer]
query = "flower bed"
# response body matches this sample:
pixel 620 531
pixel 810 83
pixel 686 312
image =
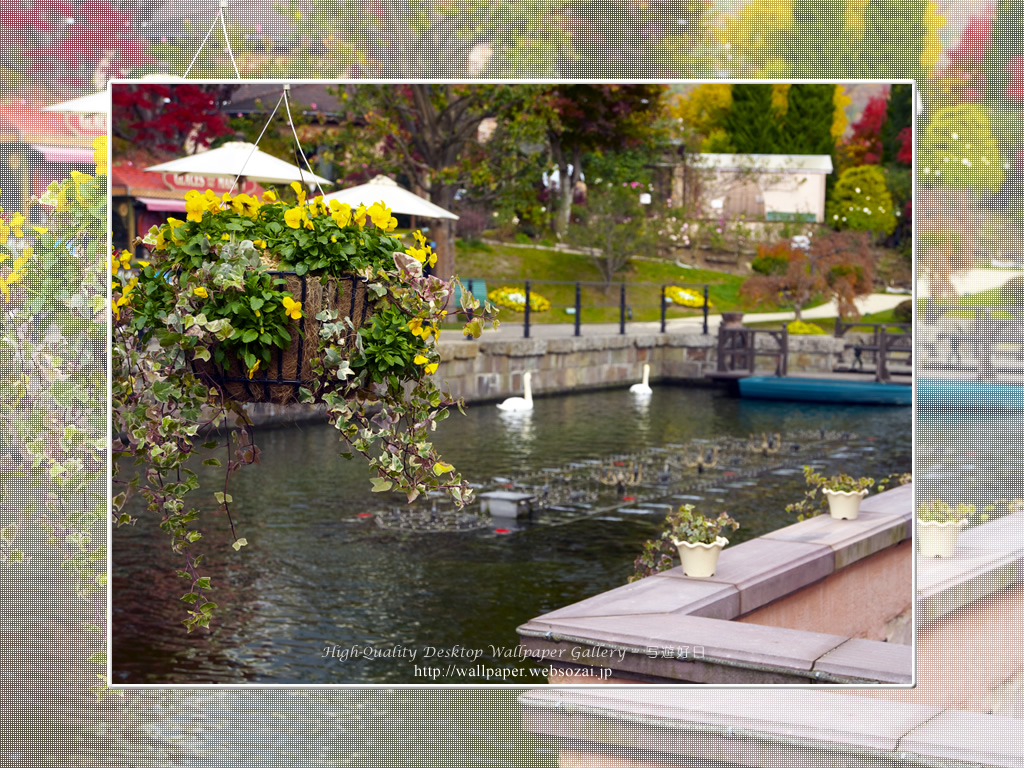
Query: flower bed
pixel 684 297
pixel 515 299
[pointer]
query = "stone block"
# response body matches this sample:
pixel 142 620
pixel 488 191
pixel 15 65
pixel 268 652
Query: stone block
pixel 958 738
pixel 657 594
pixel 874 661
pixel 765 569
pixel 647 341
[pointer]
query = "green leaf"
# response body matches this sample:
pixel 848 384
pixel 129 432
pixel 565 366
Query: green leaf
pixel 222 497
pixel 380 484
pixel 211 462
pixel 250 336
pixel 239 543
pixel 203 582
pixel 189 597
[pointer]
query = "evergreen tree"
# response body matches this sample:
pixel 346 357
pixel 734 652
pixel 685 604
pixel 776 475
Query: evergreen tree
pixel 752 122
pixel 1007 32
pixel 899 116
pixel 807 126
pixel 818 43
pixel 893 39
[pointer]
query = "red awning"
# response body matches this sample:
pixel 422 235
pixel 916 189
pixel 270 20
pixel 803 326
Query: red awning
pixel 162 204
pixel 64 154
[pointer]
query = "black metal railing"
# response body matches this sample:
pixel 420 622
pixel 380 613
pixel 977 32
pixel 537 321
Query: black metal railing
pixel 630 298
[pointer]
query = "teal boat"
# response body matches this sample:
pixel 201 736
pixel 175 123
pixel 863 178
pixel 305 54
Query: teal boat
pixel 947 394
pixel 825 390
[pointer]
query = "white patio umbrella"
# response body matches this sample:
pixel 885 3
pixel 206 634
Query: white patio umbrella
pixel 239 158
pixel 398 199
pixel 93 104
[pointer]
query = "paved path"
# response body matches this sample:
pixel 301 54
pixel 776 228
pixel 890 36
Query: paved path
pixel 512 328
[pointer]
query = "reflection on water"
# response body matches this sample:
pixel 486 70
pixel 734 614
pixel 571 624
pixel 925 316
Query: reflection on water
pixel 322 595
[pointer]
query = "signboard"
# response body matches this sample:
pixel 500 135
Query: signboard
pixel 90 124
pixel 183 182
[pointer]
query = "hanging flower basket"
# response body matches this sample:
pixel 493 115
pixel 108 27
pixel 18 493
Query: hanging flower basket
pixel 291 369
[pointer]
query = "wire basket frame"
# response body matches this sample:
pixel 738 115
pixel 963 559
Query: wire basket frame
pixel 292 368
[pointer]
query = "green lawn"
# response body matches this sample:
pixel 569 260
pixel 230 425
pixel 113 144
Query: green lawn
pixel 553 275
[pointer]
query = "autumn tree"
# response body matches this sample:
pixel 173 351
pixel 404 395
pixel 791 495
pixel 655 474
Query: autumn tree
pixel 167 117
pixel 864 144
pixel 591 118
pixel 837 266
pixel 430 134
pixel 83 43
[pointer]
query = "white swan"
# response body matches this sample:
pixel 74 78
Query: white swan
pixel 643 388
pixel 524 403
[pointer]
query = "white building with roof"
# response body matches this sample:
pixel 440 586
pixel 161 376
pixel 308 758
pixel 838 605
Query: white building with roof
pixel 760 187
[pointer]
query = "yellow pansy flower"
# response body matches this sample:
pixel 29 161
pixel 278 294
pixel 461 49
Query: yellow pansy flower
pixel 99 155
pixel 419 238
pixel 421 359
pixel 416 327
pixel 195 206
pixel 341 213
pixel 360 216
pixel 430 368
pixel 16 221
pixel 381 217
pixel 201 292
pixel 79 179
pixel 269 196
pixel 292 308
pixel 255 367
pixel 294 217
pixel 300 193
pixel 262 244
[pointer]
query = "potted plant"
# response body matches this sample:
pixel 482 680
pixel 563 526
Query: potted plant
pixel 698 539
pixel 939 526
pixel 844 494
pixel 841 494
pixel 263 300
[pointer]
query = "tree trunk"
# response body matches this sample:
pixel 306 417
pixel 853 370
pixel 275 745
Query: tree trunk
pixel 566 188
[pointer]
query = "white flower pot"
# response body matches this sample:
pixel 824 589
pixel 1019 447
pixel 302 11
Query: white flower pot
pixel 844 505
pixel 935 539
pixel 699 560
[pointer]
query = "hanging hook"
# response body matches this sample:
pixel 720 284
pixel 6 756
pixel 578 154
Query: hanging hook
pixel 223 25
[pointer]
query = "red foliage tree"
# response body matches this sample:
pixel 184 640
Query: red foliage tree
pixel 965 76
pixel 865 144
pixel 165 117
pixel 83 42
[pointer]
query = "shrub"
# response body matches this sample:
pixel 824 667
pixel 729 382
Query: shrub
pixel 861 200
pixel 770 262
pixel 904 311
pixel 800 328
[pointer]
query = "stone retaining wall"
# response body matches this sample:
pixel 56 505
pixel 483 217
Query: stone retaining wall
pixel 492 369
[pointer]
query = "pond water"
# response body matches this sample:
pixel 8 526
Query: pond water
pixel 316 576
